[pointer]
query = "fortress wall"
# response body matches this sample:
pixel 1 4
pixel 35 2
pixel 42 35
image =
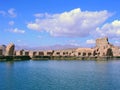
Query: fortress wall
pixel 84 52
pixel 10 49
pixel 102 42
pixel 103 48
pixel 116 51
pixel 67 52
pixel 19 52
pixel 1 52
pixel 2 49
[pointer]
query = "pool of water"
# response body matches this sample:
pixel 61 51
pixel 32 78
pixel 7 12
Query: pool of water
pixel 60 75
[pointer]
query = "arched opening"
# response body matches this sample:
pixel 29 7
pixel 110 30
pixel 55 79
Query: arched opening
pixel 89 54
pixel 41 53
pixel 79 53
pixel 34 53
pixel 84 54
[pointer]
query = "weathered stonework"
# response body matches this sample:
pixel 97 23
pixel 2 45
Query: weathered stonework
pixel 102 42
pixel 19 53
pixel 10 49
pixel 64 52
pixel 102 49
pixel 2 50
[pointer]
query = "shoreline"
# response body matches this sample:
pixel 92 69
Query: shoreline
pixel 22 58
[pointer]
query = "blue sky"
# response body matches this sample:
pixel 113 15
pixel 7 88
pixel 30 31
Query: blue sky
pixel 40 23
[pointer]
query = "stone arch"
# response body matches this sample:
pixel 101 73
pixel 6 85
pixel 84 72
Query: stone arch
pixel 89 53
pixel 84 54
pixel 79 53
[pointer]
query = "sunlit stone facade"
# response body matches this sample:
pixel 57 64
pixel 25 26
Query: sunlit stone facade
pixel 2 50
pixel 102 49
pixel 10 49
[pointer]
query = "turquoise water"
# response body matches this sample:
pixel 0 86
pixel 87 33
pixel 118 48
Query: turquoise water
pixel 60 75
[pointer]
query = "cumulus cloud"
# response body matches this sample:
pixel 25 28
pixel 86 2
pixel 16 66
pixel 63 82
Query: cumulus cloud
pixel 12 13
pixel 91 41
pixel 75 23
pixel 11 23
pixel 110 29
pixel 16 30
pixel 33 26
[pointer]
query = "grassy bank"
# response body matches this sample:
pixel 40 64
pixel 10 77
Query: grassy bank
pixel 18 58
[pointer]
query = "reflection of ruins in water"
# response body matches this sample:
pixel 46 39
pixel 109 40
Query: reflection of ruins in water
pixel 9 64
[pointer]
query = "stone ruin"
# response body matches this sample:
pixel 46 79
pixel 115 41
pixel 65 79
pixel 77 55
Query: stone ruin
pixel 102 49
pixel 2 50
pixel 102 42
pixel 10 49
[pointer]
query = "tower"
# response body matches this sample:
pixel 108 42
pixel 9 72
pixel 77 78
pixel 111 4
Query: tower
pixel 10 49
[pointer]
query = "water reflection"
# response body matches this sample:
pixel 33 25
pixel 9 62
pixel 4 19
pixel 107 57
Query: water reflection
pixel 60 75
pixel 9 64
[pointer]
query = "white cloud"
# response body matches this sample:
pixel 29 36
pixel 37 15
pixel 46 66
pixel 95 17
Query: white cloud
pixel 110 29
pixel 91 41
pixel 33 26
pixel 73 42
pixel 3 13
pixel 16 30
pixel 12 13
pixel 11 23
pixel 75 23
pixel 117 42
pixel 18 40
pixel 38 15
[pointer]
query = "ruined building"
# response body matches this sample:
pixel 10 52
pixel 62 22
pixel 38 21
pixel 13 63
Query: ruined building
pixel 2 50
pixel 102 49
pixel 10 49
pixel 102 42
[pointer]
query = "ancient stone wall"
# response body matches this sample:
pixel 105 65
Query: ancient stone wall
pixel 86 52
pixel 19 52
pixel 102 42
pixel 10 49
pixel 116 51
pixel 103 48
pixel 2 49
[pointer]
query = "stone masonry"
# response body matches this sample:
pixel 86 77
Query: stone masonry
pixel 10 49
pixel 102 49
